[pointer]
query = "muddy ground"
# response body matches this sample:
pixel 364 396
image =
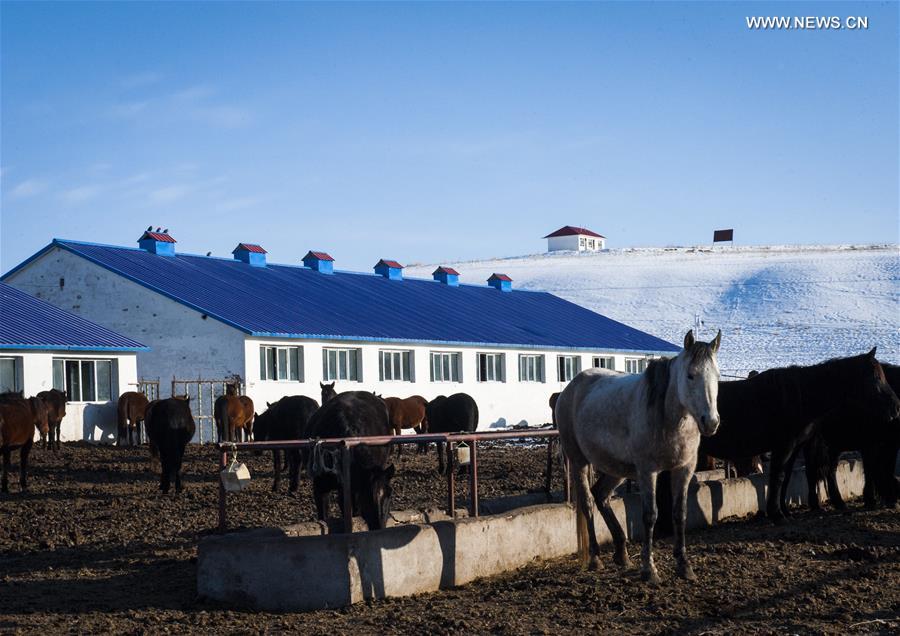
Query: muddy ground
pixel 94 549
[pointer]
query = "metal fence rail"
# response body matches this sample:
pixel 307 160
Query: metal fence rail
pixel 345 444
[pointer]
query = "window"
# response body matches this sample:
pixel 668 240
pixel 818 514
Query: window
pixel 341 364
pixel 531 367
pixel 581 241
pixel 445 367
pixel 395 366
pixel 635 365
pixel 491 367
pixel 83 380
pixel 568 367
pixel 281 363
pixel 603 362
pixel 9 376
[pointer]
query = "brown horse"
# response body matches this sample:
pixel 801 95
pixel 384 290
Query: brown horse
pixel 131 410
pixel 233 413
pixel 19 417
pixel 407 413
pixel 56 411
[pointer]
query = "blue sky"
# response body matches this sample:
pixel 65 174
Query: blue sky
pixel 438 132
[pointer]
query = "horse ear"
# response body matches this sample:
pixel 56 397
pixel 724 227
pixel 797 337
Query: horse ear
pixel 321 385
pixel 689 339
pixel 871 354
pixel 717 341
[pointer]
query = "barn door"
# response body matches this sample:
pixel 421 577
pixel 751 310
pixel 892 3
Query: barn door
pixel 203 394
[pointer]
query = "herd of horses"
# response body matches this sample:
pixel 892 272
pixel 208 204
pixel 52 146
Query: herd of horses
pixel 651 427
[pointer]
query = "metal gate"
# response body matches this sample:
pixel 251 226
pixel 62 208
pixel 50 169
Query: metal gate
pixel 149 388
pixel 203 394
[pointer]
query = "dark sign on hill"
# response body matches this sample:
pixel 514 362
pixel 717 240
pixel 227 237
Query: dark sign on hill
pixel 723 235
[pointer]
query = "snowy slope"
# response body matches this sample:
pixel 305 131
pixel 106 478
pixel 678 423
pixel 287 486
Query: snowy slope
pixel 775 305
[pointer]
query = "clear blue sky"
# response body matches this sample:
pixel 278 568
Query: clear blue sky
pixel 435 132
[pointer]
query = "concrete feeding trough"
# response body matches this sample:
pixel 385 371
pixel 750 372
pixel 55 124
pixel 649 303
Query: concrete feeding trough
pixel 305 567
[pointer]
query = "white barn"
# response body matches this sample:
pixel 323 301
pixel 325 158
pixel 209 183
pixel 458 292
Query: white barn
pixel 43 347
pixel 285 328
pixel 575 239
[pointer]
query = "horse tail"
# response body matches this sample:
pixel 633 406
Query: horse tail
pixel 581 520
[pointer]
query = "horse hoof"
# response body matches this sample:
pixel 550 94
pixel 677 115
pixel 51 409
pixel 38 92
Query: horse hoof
pixel 594 564
pixel 650 576
pixel 621 559
pixel 685 571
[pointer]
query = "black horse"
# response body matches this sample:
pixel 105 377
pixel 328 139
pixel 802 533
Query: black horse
pixel 328 391
pixel 170 426
pixel 455 414
pixel 353 414
pixel 844 430
pixel 779 409
pixel 286 419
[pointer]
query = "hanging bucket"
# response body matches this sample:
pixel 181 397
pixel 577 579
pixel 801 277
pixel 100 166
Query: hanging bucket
pixel 235 477
pixel 462 454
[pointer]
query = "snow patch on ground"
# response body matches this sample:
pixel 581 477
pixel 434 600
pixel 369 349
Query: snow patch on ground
pixel 776 305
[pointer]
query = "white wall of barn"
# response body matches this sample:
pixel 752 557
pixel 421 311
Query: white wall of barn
pixel 505 403
pixel 93 421
pixel 181 341
pixel 572 243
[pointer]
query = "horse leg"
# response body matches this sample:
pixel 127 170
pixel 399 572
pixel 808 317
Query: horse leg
pixel 834 493
pixel 681 479
pixel 4 480
pixel 788 472
pixel 23 465
pixel 58 428
pixel 647 483
pixel 276 459
pixel 812 478
pixel 776 478
pixel 164 473
pixel 320 496
pixel 585 511
pixel 602 490
pixel 177 472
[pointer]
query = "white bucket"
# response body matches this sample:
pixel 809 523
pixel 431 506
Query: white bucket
pixel 235 477
pixel 462 454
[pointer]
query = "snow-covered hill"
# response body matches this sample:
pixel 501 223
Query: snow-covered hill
pixel 775 305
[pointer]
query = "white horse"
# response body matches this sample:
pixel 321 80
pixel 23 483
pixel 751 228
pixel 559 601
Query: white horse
pixel 634 426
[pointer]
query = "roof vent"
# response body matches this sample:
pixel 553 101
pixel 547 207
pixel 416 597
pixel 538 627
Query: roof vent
pixel 251 254
pixel 500 281
pixel 157 242
pixel 446 275
pixel 319 261
pixel 392 270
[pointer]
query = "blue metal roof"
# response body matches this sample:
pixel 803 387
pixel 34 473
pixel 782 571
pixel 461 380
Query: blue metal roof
pixel 296 302
pixel 27 322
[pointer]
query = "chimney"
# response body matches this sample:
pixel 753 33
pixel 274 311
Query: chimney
pixel 158 243
pixel 501 282
pixel 446 275
pixel 319 261
pixel 392 270
pixel 251 254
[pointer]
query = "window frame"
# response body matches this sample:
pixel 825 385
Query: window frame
pixel 539 367
pixel 494 365
pixel 640 365
pixel 406 357
pixel 95 389
pixel 610 362
pixel 17 372
pixel 454 367
pixel 293 361
pixel 348 357
pixel 561 365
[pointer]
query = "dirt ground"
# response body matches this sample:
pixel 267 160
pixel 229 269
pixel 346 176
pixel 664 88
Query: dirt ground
pixel 94 549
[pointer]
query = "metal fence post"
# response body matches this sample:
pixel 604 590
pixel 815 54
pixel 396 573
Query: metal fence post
pixel 451 480
pixel 223 464
pixel 346 488
pixel 473 478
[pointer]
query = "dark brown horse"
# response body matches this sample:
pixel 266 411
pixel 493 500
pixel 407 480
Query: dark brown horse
pixel 56 411
pixel 19 417
pixel 553 398
pixel 131 410
pixel 407 413
pixel 233 413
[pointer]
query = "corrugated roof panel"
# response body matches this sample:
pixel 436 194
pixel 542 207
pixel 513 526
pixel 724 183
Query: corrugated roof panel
pixel 284 300
pixel 27 322
pixel 571 230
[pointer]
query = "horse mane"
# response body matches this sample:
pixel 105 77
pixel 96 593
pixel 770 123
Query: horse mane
pixel 657 377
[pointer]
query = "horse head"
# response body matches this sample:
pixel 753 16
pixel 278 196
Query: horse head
pixel 696 371
pixel 376 510
pixel 877 395
pixel 328 392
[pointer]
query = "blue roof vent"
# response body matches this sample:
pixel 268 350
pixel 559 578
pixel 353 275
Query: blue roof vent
pixel 319 261
pixel 157 242
pixel 500 281
pixel 251 254
pixel 392 270
pixel 446 275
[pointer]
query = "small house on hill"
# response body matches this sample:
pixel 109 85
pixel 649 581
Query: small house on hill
pixel 575 239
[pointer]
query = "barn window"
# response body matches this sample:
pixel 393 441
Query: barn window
pixel 9 375
pixel 567 367
pixel 635 365
pixel 603 362
pixel 395 366
pixel 531 367
pixel 84 380
pixel 341 364
pixel 445 366
pixel 491 367
pixel 281 363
